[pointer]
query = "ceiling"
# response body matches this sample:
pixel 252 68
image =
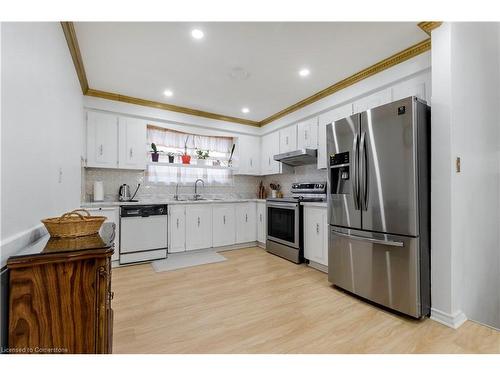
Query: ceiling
pixel 235 65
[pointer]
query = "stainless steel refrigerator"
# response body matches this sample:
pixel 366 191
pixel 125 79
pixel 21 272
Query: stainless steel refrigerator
pixel 379 205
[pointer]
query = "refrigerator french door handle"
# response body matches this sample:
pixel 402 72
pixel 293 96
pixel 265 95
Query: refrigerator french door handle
pixel 355 185
pixel 372 240
pixel 363 173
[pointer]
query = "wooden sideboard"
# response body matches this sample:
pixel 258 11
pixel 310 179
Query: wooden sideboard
pixel 60 296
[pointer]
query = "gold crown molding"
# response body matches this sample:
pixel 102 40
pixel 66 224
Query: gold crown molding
pixel 168 107
pixel 387 63
pixel 74 49
pixel 71 39
pixel 428 26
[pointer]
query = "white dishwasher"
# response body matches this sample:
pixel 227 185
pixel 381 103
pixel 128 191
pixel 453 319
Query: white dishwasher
pixel 143 233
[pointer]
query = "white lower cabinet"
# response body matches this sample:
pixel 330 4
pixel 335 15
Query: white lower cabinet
pixel 177 229
pixel 316 234
pixel 246 222
pixel 223 225
pixel 198 226
pixel 261 222
pixel 112 215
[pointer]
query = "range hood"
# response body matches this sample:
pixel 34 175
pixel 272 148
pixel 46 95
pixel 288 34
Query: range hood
pixel 302 156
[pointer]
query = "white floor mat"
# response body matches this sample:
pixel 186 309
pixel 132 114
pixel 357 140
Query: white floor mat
pixel 187 259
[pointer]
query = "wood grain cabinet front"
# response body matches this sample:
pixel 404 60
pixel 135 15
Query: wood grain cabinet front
pixel 61 302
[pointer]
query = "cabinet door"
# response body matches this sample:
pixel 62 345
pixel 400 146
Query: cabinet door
pixel 198 226
pixel 177 229
pixel 132 143
pixel 307 134
pixel 246 222
pixel 288 139
pixel 373 100
pixel 112 216
pixel 248 155
pixel 261 222
pixel 315 243
pixel 413 87
pixel 223 225
pixel 323 120
pixel 102 140
pixel 270 147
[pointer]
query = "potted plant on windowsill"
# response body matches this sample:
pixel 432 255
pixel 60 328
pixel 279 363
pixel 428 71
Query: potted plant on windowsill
pixel 202 157
pixel 154 154
pixel 186 159
pixel 170 157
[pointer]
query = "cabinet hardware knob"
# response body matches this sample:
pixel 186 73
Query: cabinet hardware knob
pixel 246 218
pixel 177 223
pixel 198 221
pixel 317 228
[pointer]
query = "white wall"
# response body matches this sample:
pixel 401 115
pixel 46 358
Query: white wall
pixel 42 117
pixel 465 205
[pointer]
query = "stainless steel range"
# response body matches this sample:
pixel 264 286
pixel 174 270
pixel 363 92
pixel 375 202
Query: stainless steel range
pixel 285 223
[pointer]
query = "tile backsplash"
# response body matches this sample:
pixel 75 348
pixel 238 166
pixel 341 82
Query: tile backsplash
pixel 243 186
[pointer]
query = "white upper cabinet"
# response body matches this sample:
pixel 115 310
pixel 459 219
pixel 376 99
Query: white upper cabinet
pixel 246 223
pixel 288 139
pixel 270 147
pixel 223 225
pixel 323 120
pixel 102 140
pixel 315 235
pixel 373 100
pixel 307 133
pixel 198 226
pixel 249 155
pixel 132 143
pixel 414 87
pixel 261 222
pixel 177 226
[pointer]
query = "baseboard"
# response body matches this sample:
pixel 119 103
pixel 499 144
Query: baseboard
pixel 453 321
pixel 318 266
pixel 261 245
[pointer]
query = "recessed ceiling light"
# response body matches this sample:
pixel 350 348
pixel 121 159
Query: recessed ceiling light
pixel 197 34
pixel 245 110
pixel 304 72
pixel 168 93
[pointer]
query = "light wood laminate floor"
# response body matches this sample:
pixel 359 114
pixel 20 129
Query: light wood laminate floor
pixel 258 303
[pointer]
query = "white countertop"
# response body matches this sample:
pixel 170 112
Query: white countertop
pixel 315 204
pixel 166 201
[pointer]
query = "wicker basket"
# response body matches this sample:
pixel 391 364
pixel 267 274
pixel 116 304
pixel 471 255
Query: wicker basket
pixel 74 224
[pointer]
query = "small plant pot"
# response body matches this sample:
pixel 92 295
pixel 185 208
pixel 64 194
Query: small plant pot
pixel 154 157
pixel 186 159
pixel 170 158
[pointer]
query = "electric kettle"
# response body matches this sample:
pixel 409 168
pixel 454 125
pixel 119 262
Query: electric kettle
pixel 124 193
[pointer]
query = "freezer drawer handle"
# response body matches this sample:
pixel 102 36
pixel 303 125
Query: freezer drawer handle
pixel 372 240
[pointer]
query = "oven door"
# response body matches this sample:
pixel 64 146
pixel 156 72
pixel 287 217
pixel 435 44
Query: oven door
pixel 283 223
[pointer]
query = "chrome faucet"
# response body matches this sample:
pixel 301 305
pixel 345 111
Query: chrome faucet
pixel 176 196
pixel 196 195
